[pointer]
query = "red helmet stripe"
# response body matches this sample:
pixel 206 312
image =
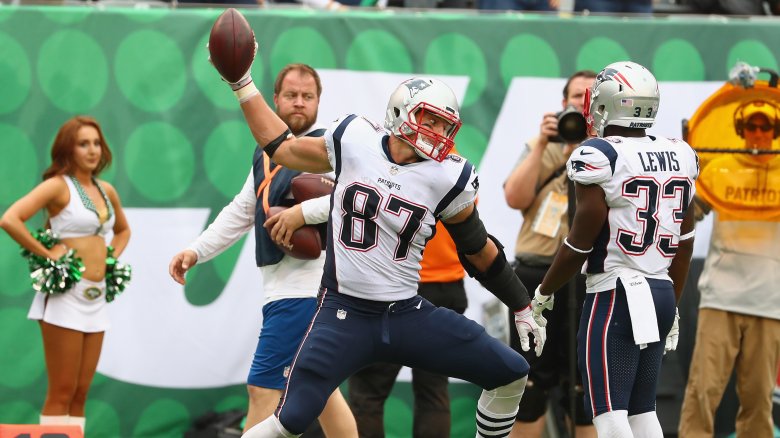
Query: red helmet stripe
pixel 622 79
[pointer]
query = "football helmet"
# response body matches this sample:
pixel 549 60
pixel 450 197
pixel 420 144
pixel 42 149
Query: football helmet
pixel 624 94
pixel 408 103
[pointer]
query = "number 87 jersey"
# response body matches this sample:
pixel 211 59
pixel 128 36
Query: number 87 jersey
pixel 649 183
pixel 383 213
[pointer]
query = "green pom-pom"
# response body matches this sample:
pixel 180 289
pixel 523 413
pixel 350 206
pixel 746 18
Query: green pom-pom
pixel 52 276
pixel 57 276
pixel 117 276
pixel 48 239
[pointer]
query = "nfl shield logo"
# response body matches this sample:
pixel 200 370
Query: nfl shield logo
pixel 341 314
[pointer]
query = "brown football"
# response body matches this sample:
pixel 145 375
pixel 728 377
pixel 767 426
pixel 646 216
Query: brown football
pixel 305 242
pixel 232 45
pixel 309 185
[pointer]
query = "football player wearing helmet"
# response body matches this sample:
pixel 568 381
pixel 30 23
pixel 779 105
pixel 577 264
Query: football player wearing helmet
pixel 289 284
pixel 538 187
pixel 409 106
pixel 633 229
pixel 392 188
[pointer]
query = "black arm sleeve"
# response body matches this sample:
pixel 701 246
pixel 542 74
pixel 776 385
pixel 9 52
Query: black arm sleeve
pixel 500 279
pixel 470 235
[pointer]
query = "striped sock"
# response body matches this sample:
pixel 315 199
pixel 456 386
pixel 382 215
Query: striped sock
pixel 497 409
pixel 490 424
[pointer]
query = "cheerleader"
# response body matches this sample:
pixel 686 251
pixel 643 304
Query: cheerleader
pixel 81 211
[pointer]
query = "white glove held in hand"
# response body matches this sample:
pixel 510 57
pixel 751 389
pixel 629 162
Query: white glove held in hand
pixel 526 324
pixel 674 333
pixel 540 303
pixel 242 87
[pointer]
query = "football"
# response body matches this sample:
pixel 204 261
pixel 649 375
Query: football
pixel 309 185
pixel 305 243
pixel 232 45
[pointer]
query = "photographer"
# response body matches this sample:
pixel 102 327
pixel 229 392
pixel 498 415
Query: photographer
pixel 538 187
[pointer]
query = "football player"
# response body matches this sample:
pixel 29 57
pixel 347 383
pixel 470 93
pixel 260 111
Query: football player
pixel 634 230
pixel 289 284
pixel 394 182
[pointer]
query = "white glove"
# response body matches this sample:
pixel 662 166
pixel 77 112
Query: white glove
pixel 540 303
pixel 526 324
pixel 674 333
pixel 246 78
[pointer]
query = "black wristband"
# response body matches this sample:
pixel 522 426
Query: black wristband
pixel 272 146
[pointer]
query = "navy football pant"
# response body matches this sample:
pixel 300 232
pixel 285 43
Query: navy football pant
pixel 348 333
pixel 618 375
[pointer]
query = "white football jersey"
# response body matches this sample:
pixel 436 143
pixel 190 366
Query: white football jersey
pixel 383 213
pixel 649 183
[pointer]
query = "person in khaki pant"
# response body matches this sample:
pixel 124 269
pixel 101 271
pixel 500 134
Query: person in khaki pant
pixel 739 312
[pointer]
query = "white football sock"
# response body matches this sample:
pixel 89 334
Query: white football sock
pixel 613 425
pixel 646 425
pixel 58 420
pixel 268 428
pixel 79 421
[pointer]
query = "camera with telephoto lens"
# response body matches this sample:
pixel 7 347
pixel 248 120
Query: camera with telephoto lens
pixel 571 126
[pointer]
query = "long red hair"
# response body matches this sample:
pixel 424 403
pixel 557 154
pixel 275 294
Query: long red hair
pixel 65 143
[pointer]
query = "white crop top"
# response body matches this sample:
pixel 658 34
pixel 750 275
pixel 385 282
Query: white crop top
pixel 79 218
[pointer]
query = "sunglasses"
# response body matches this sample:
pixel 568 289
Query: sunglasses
pixel 752 127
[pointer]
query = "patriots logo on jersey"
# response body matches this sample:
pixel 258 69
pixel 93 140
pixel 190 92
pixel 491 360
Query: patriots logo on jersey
pixel 390 185
pixel 610 74
pixel 581 166
pixel 416 85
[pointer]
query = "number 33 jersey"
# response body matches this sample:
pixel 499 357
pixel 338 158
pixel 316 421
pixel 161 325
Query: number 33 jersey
pixel 383 213
pixel 649 183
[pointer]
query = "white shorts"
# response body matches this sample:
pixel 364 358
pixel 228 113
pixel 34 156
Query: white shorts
pixel 82 308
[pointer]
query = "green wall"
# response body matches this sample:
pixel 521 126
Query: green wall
pixel 144 75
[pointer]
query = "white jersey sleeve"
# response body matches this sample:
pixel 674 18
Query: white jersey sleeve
pixel 335 134
pixel 235 220
pixel 465 184
pixel 693 162
pixel 332 143
pixel 592 163
pixel 315 211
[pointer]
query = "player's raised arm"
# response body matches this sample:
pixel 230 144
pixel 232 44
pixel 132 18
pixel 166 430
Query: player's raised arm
pixel 307 154
pixel 232 48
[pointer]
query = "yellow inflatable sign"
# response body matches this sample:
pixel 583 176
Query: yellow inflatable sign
pixel 738 151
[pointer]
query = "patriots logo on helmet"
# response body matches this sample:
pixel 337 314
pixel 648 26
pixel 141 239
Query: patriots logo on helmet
pixel 611 74
pixel 416 85
pixel 581 166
